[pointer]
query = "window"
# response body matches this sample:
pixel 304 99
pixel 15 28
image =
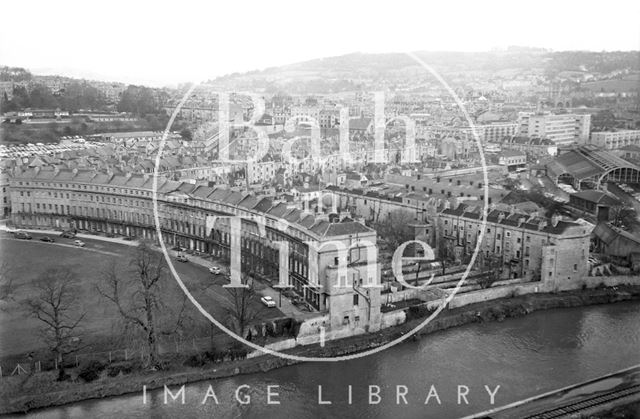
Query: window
pixel 498 236
pixel 355 299
pixel 518 241
pixel 575 267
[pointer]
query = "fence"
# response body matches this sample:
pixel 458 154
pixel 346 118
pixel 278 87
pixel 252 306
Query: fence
pixel 175 346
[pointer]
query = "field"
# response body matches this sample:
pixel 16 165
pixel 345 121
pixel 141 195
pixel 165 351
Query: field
pixel 19 332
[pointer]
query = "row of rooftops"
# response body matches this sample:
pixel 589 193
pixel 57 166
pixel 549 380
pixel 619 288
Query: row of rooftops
pixel 506 215
pixel 514 219
pixel 318 224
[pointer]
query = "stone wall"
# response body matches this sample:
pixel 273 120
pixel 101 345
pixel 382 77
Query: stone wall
pixel 595 281
pixel 393 318
pixel 494 293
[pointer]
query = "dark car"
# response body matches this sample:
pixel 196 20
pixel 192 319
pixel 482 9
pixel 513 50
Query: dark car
pixel 47 239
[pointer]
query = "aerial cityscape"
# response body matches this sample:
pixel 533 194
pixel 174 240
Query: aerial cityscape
pixel 436 233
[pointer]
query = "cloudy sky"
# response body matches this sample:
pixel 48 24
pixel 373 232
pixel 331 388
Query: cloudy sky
pixel 160 43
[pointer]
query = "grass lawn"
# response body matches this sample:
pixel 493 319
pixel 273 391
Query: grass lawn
pixel 19 332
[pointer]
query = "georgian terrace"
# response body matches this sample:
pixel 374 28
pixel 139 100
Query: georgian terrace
pixel 199 218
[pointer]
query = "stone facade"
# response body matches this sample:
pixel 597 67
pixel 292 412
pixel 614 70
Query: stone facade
pixel 198 218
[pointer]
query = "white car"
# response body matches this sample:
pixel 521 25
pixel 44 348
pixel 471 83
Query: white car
pixel 79 243
pixel 215 270
pixel 268 301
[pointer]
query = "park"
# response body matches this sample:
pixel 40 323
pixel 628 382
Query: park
pixel 103 327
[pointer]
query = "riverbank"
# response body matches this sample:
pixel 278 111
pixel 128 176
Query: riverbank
pixel 487 311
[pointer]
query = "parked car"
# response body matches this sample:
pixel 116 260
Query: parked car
pixel 268 301
pixel 47 239
pixel 68 234
pixel 22 235
pixel 215 270
pixel 79 243
pixel 182 258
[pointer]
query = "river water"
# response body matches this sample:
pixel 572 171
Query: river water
pixel 524 356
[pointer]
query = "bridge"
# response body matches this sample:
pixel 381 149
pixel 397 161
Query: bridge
pixel 595 396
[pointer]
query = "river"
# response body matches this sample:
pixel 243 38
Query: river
pixel 525 356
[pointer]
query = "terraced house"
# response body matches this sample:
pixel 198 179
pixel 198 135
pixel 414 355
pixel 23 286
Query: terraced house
pixel 328 259
pixel 525 246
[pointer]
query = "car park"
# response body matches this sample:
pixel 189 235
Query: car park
pixel 268 301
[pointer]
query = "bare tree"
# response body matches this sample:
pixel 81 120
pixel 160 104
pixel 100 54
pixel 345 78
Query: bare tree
pixel 57 306
pixel 488 267
pixel 138 298
pixel 244 306
pixel 396 228
pixel 7 287
pixel 445 253
pixel 621 215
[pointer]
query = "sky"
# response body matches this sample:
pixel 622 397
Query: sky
pixel 165 43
